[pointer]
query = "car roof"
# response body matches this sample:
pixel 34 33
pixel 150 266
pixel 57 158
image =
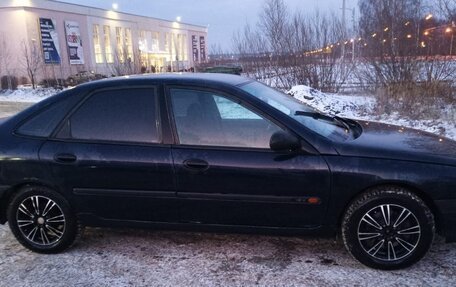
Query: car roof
pixel 201 78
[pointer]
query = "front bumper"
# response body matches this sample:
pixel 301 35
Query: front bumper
pixel 3 203
pixel 447 210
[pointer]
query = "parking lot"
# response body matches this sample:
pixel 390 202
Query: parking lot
pixel 128 257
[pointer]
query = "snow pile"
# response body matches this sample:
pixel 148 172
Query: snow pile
pixel 363 107
pixel 27 94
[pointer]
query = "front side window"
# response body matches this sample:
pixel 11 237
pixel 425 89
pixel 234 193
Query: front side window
pixel 209 119
pixel 314 120
pixel 117 115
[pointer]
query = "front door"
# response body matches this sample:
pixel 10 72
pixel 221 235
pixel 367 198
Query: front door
pixel 227 174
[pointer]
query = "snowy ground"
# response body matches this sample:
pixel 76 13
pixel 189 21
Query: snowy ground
pixel 108 257
pixel 123 257
pixel 27 94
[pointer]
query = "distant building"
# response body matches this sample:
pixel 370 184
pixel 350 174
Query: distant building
pixel 73 38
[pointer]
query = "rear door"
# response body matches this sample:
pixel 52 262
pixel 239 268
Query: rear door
pixel 227 174
pixel 110 157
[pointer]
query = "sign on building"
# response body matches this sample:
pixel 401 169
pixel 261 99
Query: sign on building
pixel 203 48
pixel 74 42
pixel 49 41
pixel 195 49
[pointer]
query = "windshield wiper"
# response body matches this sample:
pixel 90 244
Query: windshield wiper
pixel 340 122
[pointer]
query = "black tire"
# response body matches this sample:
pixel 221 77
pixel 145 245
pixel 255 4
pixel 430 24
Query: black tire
pixel 38 224
pixel 388 228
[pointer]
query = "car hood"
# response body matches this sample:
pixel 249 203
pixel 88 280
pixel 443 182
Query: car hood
pixel 394 142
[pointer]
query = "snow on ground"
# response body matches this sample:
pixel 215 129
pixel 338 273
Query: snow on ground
pixel 27 94
pixel 363 107
pixel 129 257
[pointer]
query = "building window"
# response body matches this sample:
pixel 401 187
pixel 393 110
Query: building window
pixel 179 55
pixel 142 35
pixel 143 49
pixel 173 47
pixel 167 44
pixel 129 44
pixel 97 45
pixel 155 41
pixel 184 48
pixel 107 42
pixel 119 44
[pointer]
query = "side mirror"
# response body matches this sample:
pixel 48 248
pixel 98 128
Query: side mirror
pixel 284 141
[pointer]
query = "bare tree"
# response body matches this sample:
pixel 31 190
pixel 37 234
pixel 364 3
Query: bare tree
pixel 403 63
pixel 273 23
pixel 5 59
pixel 277 51
pixel 448 8
pixel 31 60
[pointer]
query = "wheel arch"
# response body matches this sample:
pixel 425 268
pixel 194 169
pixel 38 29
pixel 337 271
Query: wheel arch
pixel 9 194
pixel 410 187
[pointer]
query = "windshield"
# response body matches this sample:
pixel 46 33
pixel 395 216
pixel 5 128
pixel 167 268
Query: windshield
pixel 315 120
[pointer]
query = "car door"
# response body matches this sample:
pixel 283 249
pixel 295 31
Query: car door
pixel 110 157
pixel 227 174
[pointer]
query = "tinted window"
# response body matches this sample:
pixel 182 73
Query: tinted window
pixel 117 115
pixel 42 124
pixel 205 118
pixel 289 106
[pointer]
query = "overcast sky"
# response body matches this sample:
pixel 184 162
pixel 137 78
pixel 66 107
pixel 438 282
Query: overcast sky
pixel 224 17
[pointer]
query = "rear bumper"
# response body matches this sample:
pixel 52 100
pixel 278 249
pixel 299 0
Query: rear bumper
pixel 447 210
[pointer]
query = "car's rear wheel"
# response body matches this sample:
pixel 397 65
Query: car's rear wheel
pixel 388 228
pixel 42 220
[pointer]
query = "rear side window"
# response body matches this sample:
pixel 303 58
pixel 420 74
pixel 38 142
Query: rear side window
pixel 43 123
pixel 127 115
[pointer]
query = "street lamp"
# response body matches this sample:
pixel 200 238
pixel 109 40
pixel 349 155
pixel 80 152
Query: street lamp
pixel 428 17
pixel 450 30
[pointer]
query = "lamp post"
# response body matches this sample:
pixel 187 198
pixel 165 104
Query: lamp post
pixel 344 26
pixel 450 30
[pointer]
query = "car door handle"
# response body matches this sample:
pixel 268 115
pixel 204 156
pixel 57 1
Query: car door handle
pixel 65 158
pixel 196 164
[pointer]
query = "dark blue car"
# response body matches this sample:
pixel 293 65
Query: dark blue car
pixel 221 152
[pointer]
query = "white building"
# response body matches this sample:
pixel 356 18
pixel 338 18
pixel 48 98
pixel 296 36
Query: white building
pixel 73 38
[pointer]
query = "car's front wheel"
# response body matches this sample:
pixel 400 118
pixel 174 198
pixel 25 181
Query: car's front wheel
pixel 388 228
pixel 42 220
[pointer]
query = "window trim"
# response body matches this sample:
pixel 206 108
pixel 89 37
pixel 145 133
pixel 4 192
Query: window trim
pixel 232 97
pixel 55 134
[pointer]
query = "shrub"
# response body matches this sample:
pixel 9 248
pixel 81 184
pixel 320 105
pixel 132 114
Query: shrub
pixel 24 81
pixel 9 83
pixel 53 83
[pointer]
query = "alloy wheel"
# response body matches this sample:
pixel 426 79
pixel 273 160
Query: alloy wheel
pixel 40 220
pixel 389 232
